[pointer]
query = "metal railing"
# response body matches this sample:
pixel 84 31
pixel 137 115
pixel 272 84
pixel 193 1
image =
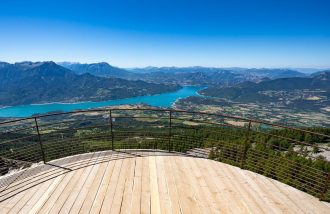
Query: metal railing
pixel 290 155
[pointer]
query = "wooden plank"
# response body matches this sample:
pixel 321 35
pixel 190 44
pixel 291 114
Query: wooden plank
pixel 261 195
pixel 137 187
pixel 188 201
pixel 304 202
pixel 253 201
pixel 237 184
pixel 67 191
pixel 156 184
pixel 37 205
pixel 228 187
pixel 199 194
pixel 119 193
pixel 164 198
pixel 203 185
pixel 154 193
pixel 103 188
pixel 111 188
pixel 48 205
pixel 93 189
pixel 10 202
pixel 87 168
pixel 126 203
pixel 190 179
pixel 84 189
pixel 69 188
pixel 15 203
pixel 56 193
pixel 172 188
pixel 216 188
pixel 19 183
pixel 327 204
pixel 280 201
pixel 198 187
pixel 145 191
pixel 26 184
pixel 27 202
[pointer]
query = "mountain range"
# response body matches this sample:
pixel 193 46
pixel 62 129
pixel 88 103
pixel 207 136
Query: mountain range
pixel 101 69
pixel 40 82
pixel 184 76
pixel 272 90
pixel 27 82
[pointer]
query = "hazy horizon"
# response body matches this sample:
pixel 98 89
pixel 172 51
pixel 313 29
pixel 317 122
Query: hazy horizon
pixel 301 69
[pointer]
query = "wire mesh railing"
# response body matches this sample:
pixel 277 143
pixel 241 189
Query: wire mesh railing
pixel 291 155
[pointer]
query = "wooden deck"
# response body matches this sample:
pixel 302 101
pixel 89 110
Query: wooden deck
pixel 150 182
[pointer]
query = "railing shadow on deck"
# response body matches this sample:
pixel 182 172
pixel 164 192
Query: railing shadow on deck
pixel 54 169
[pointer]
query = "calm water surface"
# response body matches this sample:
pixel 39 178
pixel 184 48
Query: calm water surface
pixel 161 100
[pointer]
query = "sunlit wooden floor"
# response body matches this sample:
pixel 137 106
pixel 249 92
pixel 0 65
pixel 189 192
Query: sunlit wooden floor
pixel 151 182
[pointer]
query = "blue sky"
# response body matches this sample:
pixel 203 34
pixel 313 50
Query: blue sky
pixel 127 33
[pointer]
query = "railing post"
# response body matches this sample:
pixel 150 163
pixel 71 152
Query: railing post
pixel 325 187
pixel 39 139
pixel 201 141
pixel 246 146
pixel 170 131
pixel 111 129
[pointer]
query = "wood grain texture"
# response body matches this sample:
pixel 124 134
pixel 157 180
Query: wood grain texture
pixel 151 182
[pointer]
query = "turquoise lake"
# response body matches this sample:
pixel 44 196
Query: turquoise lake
pixel 164 100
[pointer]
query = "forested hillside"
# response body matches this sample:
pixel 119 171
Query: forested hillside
pixel 27 83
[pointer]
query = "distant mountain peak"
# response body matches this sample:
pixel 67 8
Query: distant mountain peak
pixel 37 82
pixel 324 75
pixel 102 69
pixel 25 65
pixel 3 64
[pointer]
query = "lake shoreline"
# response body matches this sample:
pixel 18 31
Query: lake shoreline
pixel 79 102
pixel 163 100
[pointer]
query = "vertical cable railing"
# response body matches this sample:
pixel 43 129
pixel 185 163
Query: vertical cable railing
pixel 170 131
pixel 325 189
pixel 39 140
pixel 111 128
pixel 276 151
pixel 246 145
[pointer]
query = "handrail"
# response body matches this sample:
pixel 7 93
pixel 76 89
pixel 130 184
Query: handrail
pixel 167 110
pixel 51 138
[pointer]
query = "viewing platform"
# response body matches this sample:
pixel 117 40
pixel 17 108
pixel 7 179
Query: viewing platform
pixel 146 181
pixel 160 161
